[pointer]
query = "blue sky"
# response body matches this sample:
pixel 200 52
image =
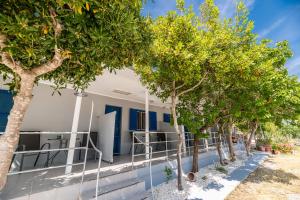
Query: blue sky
pixel 274 19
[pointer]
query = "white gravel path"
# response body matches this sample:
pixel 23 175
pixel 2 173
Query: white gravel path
pixel 213 181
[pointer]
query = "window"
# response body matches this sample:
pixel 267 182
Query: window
pixel 137 120
pixel 167 117
pixel 141 120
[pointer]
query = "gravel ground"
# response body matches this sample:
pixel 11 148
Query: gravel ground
pixel 278 178
pixel 206 178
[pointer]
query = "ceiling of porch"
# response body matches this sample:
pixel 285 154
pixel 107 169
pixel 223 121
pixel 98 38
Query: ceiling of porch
pixel 124 84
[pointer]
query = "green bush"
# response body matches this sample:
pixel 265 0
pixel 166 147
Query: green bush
pixel 168 173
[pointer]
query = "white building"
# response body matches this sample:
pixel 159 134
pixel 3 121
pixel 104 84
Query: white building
pixel 53 115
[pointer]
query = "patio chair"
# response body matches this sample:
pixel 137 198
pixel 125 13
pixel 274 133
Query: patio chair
pixel 137 146
pixel 94 137
pixel 32 142
pixel 161 138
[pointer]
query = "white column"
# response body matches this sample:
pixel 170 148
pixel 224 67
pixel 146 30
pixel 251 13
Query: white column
pixel 206 144
pixel 147 136
pixel 181 127
pixel 72 142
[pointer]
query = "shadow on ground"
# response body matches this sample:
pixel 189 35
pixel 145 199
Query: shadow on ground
pixel 265 174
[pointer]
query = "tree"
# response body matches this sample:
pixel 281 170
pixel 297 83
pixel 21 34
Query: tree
pixel 176 64
pixel 66 42
pixel 195 118
pixel 271 97
pixel 211 103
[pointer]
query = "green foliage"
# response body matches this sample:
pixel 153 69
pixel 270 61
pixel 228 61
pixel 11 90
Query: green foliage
pixel 221 169
pixel 291 130
pixel 275 135
pixel 248 82
pixel 168 173
pixel 95 35
pixel 283 147
pixel 178 54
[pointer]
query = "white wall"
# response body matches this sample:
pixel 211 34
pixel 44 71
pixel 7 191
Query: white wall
pixel 49 112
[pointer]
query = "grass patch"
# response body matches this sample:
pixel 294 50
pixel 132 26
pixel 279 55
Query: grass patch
pixel 221 169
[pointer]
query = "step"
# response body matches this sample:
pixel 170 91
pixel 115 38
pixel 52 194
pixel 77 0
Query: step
pixel 109 180
pixel 141 196
pixel 117 191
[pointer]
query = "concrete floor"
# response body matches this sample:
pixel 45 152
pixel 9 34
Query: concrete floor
pixel 34 182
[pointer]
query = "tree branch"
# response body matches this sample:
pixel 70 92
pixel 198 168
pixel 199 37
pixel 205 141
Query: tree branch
pixel 49 66
pixel 194 87
pixel 57 59
pixel 180 86
pixel 56 25
pixel 7 60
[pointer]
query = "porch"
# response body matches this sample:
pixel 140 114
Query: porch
pixel 33 181
pixel 132 130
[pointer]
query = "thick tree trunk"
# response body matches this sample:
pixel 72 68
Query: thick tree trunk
pixel 195 167
pixel 229 141
pixel 218 145
pixel 9 140
pixel 179 143
pixel 249 139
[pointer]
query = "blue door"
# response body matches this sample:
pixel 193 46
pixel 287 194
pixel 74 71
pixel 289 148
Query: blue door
pixel 6 103
pixel 118 125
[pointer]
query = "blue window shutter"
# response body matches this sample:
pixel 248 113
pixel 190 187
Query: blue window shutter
pixel 3 122
pixel 133 114
pixel 152 121
pixel 6 102
pixel 167 118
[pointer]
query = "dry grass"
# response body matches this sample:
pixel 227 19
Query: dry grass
pixel 278 178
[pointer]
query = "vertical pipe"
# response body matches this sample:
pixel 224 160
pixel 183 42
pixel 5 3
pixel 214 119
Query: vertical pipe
pixel 73 135
pixel 147 136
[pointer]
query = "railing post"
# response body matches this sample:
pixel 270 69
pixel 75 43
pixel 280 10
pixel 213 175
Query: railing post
pixel 132 150
pixel 150 168
pixel 166 138
pixel 188 134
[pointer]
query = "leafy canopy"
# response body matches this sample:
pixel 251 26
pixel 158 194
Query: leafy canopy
pixel 95 35
pixel 177 57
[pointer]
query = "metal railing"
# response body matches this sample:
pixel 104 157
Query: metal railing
pixel 66 149
pixel 49 150
pixel 168 143
pixel 150 160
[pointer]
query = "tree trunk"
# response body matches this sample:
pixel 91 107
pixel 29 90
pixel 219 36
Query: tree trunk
pixel 9 140
pixel 219 140
pixel 195 167
pixel 249 139
pixel 179 143
pixel 229 141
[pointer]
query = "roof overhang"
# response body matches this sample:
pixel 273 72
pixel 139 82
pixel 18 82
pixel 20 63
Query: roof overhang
pixel 124 84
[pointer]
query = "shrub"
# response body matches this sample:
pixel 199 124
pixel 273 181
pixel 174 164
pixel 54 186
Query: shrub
pixel 168 173
pixel 285 147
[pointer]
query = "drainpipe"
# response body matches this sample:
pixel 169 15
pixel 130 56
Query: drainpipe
pixel 147 135
pixel 72 142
